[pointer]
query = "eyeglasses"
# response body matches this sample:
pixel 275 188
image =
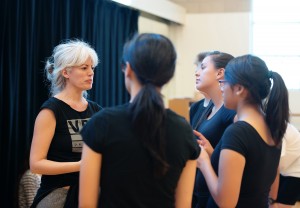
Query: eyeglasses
pixel 222 83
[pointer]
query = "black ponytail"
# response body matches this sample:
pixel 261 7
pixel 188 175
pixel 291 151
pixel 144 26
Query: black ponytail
pixel 152 57
pixel 253 73
pixel 277 108
pixel 148 119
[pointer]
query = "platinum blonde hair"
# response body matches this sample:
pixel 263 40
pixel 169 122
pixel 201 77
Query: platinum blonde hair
pixel 66 55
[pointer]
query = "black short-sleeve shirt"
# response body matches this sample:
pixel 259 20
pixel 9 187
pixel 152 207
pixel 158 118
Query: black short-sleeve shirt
pixel 261 163
pixel 126 175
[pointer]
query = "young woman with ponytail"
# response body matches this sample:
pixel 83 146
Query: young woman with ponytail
pixel 140 154
pixel 244 164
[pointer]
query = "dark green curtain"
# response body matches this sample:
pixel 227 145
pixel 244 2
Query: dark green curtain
pixel 29 31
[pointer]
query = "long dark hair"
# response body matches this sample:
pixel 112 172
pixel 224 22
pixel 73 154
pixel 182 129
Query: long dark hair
pixel 266 88
pixel 152 57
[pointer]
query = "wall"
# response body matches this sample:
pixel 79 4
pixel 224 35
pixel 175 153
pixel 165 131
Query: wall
pixel 294 99
pixel 206 32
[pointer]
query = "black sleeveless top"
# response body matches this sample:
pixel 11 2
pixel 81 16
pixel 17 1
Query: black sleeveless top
pixel 66 145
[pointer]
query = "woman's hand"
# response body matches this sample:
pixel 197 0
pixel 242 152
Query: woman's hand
pixel 203 158
pixel 202 141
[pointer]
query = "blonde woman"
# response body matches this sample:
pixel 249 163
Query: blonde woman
pixel 57 145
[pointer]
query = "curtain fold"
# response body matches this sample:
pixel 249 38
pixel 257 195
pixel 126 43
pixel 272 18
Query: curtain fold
pixel 29 31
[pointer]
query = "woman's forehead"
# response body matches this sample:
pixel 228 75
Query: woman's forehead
pixel 207 59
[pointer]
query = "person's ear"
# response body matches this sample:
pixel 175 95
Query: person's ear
pixel 239 89
pixel 220 73
pixel 128 70
pixel 65 73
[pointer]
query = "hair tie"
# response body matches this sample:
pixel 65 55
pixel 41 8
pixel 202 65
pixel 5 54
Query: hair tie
pixel 149 83
pixel 145 81
pixel 270 74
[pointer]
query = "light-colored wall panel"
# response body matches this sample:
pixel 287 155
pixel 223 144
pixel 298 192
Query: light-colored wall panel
pixel 227 32
pixel 147 24
pixel 294 99
pixel 160 8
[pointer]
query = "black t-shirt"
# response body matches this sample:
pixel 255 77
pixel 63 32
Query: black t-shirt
pixel 126 175
pixel 261 164
pixel 213 130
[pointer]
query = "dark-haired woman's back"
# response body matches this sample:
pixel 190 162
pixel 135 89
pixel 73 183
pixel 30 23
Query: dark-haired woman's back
pixel 127 178
pixel 141 154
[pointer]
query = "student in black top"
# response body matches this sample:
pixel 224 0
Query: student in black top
pixel 198 107
pixel 244 164
pixel 57 145
pixel 212 121
pixel 140 154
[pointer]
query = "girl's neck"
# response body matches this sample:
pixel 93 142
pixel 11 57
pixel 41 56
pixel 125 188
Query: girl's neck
pixel 247 112
pixel 134 90
pixel 217 100
pixel 216 97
